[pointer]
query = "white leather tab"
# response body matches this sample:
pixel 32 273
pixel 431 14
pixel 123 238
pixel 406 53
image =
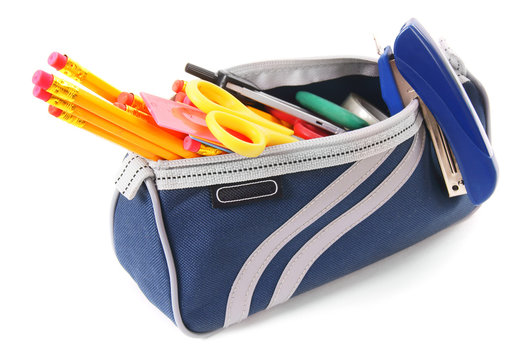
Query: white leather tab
pixel 134 170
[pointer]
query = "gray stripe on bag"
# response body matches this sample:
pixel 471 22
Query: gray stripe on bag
pixel 244 286
pixel 301 262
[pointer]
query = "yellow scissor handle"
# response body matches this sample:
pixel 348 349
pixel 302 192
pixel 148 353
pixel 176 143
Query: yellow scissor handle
pixel 218 122
pixel 210 97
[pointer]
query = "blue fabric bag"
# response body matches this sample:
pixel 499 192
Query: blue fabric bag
pixel 213 240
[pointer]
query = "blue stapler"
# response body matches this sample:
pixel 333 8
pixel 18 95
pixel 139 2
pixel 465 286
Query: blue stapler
pixel 461 143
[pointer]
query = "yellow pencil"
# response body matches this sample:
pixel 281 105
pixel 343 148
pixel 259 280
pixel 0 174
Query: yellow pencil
pixel 82 124
pixel 101 123
pixel 76 72
pixel 66 91
pixel 134 101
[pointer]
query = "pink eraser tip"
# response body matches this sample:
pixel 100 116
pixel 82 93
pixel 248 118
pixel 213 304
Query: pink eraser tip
pixel 40 93
pixel 43 79
pixel 57 60
pixel 126 98
pixel 120 106
pixel 178 85
pixel 180 96
pixel 54 111
pixel 191 145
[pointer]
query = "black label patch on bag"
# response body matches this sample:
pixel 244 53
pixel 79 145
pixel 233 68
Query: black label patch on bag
pixel 227 195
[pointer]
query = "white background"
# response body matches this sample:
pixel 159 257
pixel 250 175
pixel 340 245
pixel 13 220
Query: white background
pixel 457 295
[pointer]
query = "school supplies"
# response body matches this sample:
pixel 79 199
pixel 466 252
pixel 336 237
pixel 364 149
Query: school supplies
pixel 187 101
pixel 201 149
pixel 82 124
pixel 451 174
pixel 177 116
pixel 211 143
pixel 179 86
pixel 244 88
pixel 141 115
pixel 301 128
pixel 221 78
pixel 224 110
pixel 307 131
pixel 421 62
pixel 265 115
pixel 362 108
pixel 180 96
pixel 329 110
pixel 133 100
pixel 66 91
pixel 214 239
pixel 135 112
pixel 388 84
pixel 76 72
pixel 87 116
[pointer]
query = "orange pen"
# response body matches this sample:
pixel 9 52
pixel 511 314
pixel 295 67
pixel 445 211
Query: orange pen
pixel 66 91
pixel 133 100
pixel 79 123
pixel 76 72
pixel 103 124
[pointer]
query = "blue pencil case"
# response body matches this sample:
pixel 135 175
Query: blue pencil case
pixel 212 240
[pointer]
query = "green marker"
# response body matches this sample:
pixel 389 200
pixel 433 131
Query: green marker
pixel 331 111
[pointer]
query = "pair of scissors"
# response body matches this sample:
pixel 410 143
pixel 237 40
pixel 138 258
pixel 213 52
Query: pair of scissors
pixel 224 111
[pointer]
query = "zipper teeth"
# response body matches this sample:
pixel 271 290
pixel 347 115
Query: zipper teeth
pixel 355 137
pixel 289 162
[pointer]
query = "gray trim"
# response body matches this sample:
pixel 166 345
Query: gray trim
pixel 112 212
pixel 247 279
pixel 294 72
pixel 283 159
pixel 133 171
pixel 173 282
pixel 170 261
pixel 301 262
